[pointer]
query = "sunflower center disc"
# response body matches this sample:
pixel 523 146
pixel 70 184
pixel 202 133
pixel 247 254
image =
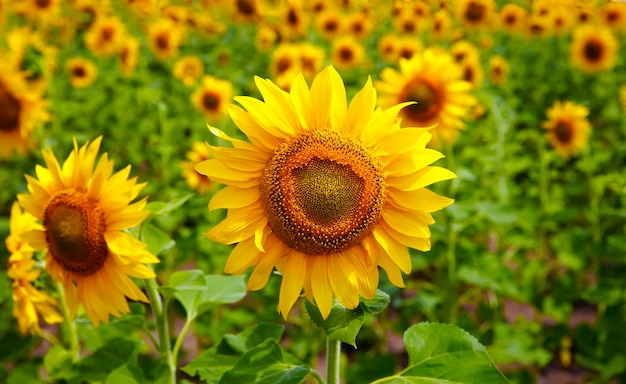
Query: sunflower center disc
pixel 75 229
pixel 593 51
pixel 563 132
pixel 9 111
pixel 322 192
pixel 427 99
pixel 475 12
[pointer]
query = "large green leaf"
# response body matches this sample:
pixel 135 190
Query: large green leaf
pixel 376 304
pixel 446 354
pixel 265 364
pixel 156 240
pixel 103 361
pixel 56 361
pixel 127 374
pixel 341 324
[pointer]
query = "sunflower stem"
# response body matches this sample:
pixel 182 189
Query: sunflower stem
pixel 333 361
pixel 159 312
pixel 180 339
pixel 69 330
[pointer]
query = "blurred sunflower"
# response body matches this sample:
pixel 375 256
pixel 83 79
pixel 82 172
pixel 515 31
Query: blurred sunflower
pixel 29 303
pixel 128 56
pixel 265 38
pixel 347 53
pixel 326 192
pixel 284 58
pixel 359 25
pixel 435 82
pixel 475 13
pixel 464 50
pixel 106 36
pixel 40 11
pixel 408 46
pixel 388 48
pixel 28 53
pixel 498 70
pixel 440 29
pixel 312 59
pixel 21 109
pixel 85 213
pixel 329 23
pixel 212 97
pixel 538 25
pixel 293 19
pixel 246 10
pixel 188 69
pixel 513 18
pixel 473 72
pixel 199 152
pixel 593 48
pixel 165 38
pixel 83 72
pixel 567 128
pixel 613 15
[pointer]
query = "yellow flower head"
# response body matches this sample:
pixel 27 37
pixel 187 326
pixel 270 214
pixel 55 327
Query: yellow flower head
pixel 212 97
pixel 106 36
pixel 593 48
pixel 435 83
pixel 129 55
pixel 188 69
pixel 325 191
pixel 83 72
pixel 85 212
pixel 165 38
pixel 513 18
pixel 29 303
pixel 199 152
pixel 475 13
pixel 567 128
pixel 347 53
pixel 21 109
pixel 498 70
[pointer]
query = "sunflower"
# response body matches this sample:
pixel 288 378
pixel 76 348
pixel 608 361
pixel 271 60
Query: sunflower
pixel 40 11
pixel 435 82
pixel 312 59
pixel 165 38
pixel 83 72
pixel 246 10
pixel 212 97
pixel 29 303
pixel 441 25
pixel 347 53
pixel 593 48
pixel 475 13
pixel 265 38
pixel 85 213
pixel 613 15
pixel 359 25
pixel 473 72
pixel 567 128
pixel 28 53
pixel 325 192
pixel 294 19
pixel 106 36
pixel 21 109
pixel 408 46
pixel 128 56
pixel 188 69
pixel 329 23
pixel 283 59
pixel 513 18
pixel 498 70
pixel 464 50
pixel 388 48
pixel 199 152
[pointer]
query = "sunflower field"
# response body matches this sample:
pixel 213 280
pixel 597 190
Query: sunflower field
pixel 313 191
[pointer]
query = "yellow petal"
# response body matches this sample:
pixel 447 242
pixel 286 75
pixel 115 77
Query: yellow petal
pixel 320 284
pixel 293 281
pixel 242 257
pixel 396 251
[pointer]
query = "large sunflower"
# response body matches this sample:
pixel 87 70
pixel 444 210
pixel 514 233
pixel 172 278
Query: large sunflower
pixel 84 212
pixel 21 109
pixel 435 82
pixel 567 128
pixel 593 48
pixel 326 192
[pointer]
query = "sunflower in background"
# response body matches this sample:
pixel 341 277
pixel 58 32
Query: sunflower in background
pixel 329 23
pixel 28 53
pixel 165 38
pixel 129 56
pixel 475 13
pixel 200 183
pixel 498 70
pixel 325 192
pixel 21 110
pixel 29 303
pixel 38 11
pixel 106 36
pixel 347 53
pixel 435 83
pixel 212 97
pixel 388 48
pixel 441 26
pixel 246 10
pixel 359 25
pixel 83 72
pixel 188 69
pixel 512 18
pixel 567 128
pixel 593 48
pixel 613 15
pixel 85 212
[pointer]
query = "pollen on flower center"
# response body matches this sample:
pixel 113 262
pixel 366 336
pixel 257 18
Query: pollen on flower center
pixel 323 192
pixel 75 227
pixel 9 111
pixel 428 100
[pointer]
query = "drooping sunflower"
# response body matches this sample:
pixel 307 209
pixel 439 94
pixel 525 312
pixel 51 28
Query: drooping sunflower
pixel 188 69
pixel 593 48
pixel 106 36
pixel 212 97
pixel 83 72
pixel 435 82
pixel 29 303
pixel 21 110
pixel 325 192
pixel 567 128
pixel 199 152
pixel 84 213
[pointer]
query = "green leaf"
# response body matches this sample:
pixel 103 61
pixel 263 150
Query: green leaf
pixel 265 364
pixel 156 240
pixel 56 361
pixel 97 366
pixel 161 208
pixel 126 374
pixel 377 304
pixel 443 353
pixel 250 338
pixel 222 290
pixel 341 324
pixel 210 365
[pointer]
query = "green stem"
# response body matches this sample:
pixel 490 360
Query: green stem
pixel 317 376
pixel 333 361
pixel 179 340
pixel 69 329
pixel 160 315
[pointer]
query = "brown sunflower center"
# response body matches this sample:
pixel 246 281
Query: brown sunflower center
pixel 107 33
pixel 475 12
pixel 510 19
pixel 79 71
pixel 246 7
pixel 593 50
pixel 331 26
pixel 42 4
pixel 563 132
pixel 323 192
pixel 210 101
pixel 9 110
pixel 346 54
pixel 428 97
pixel 163 42
pixel 75 227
